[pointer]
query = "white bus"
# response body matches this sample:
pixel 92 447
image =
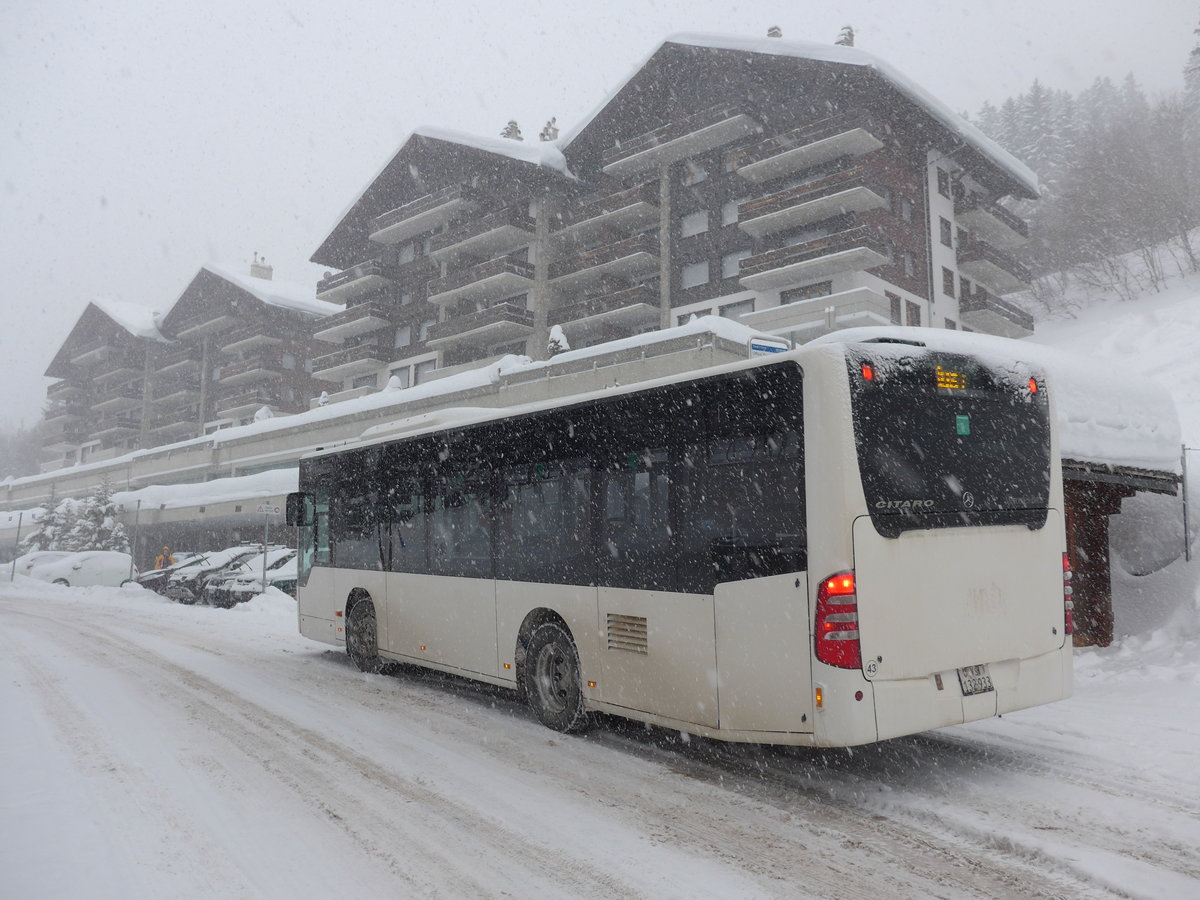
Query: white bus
pixel 832 546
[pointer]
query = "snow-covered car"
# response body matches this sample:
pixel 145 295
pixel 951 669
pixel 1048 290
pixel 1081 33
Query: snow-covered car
pixel 26 564
pixel 281 576
pixel 88 568
pixel 186 584
pixel 246 580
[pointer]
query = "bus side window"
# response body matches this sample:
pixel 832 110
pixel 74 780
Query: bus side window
pixel 543 523
pixel 356 535
pixel 461 524
pixel 407 523
pixel 635 544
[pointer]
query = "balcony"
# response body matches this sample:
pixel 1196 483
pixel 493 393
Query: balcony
pixel 204 323
pixel 848 134
pixel 90 354
pixel 362 318
pixel 113 428
pixel 235 404
pixel 689 136
pixel 986 312
pixel 62 414
pixel 247 338
pixel 492 235
pixel 361 278
pixel 119 366
pixel 989 266
pixel 118 399
pixel 991 222
pixel 349 362
pixel 176 390
pixel 62 390
pixel 176 423
pixel 820 315
pixel 423 214
pixel 500 277
pixel 845 251
pixel 823 198
pixel 632 256
pixel 66 438
pixel 631 308
pixel 494 325
pixel 624 211
pixel 178 362
pixel 257 368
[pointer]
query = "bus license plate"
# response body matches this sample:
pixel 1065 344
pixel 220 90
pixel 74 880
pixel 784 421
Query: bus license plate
pixel 975 680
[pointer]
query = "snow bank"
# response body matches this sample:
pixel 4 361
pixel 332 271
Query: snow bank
pixel 1106 414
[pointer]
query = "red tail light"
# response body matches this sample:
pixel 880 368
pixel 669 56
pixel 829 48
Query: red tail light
pixel 1068 603
pixel 837 622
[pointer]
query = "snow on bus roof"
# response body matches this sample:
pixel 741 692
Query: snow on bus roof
pixel 1114 418
pixel 849 56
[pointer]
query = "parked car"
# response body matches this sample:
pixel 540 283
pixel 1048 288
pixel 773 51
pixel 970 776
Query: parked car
pixel 227 591
pixel 26 564
pixel 281 575
pixel 186 585
pixel 157 579
pixel 91 567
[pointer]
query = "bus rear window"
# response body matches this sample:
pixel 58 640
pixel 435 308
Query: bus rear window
pixel 945 441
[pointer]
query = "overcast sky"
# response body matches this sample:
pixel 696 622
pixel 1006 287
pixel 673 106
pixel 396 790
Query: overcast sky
pixel 141 140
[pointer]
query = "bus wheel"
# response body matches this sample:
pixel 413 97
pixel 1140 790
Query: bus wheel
pixel 553 684
pixel 362 643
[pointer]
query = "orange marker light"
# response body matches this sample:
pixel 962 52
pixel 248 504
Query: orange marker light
pixel 868 373
pixel 1033 388
pixel 591 684
pixel 820 697
pixel 507 666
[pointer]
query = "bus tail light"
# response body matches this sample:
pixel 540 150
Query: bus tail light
pixel 1068 603
pixel 837 622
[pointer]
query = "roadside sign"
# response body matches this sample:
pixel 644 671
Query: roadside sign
pixel 761 346
pixel 269 509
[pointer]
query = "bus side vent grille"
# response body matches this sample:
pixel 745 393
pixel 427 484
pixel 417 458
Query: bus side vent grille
pixel 627 633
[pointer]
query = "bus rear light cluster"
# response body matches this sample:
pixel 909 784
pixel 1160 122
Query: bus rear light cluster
pixel 837 622
pixel 1068 603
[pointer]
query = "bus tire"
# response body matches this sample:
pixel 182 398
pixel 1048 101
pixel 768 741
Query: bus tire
pixel 553 683
pixel 362 638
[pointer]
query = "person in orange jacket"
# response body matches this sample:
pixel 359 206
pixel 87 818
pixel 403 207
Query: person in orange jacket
pixel 164 559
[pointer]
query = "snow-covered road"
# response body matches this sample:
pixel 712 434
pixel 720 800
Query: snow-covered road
pixel 157 750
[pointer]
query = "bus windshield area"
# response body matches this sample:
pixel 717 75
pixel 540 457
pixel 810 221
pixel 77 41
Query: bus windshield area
pixel 946 441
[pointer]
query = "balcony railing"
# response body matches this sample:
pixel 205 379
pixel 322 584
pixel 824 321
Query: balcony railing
pixel 175 389
pixel 488 236
pixel 697 133
pixel 992 267
pixel 630 307
pixel 842 192
pixel 118 398
pixel 985 311
pixel 631 256
pixel 423 214
pixel 361 318
pixel 351 360
pixel 845 251
pixel 64 413
pixel 64 389
pixel 628 209
pixel 61 439
pixel 496 324
pixel 90 353
pixel 233 403
pixel 178 420
pixel 496 278
pixel 111 426
pixel 991 222
pixel 263 365
pixel 120 364
pixel 203 323
pixel 242 339
pixel 846 134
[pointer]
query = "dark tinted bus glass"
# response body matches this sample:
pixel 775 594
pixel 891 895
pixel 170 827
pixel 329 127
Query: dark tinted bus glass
pixel 946 441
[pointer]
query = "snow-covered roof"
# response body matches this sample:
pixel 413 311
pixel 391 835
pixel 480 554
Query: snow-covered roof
pixel 260 485
pixel 1104 416
pixel 540 153
pixel 140 321
pixel 298 297
pixel 849 56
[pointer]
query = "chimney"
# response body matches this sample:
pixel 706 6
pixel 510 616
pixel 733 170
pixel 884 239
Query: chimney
pixel 260 269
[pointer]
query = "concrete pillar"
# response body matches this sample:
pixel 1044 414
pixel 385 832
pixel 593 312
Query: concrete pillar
pixel 664 247
pixel 543 208
pixel 205 376
pixel 147 396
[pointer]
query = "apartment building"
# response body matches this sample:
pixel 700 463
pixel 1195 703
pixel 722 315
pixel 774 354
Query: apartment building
pixel 799 188
pixel 230 346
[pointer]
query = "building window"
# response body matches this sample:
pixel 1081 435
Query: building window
pixel 906 209
pixel 407 254
pixel 729 212
pixel 943 182
pixel 288 361
pixel 422 370
pixel 964 288
pixel 729 263
pixel 963 238
pixel 910 265
pixel 693 173
pixel 403 336
pixel 694 274
pixel 951 324
pixel 729 160
pixel 403 376
pixel 423 334
pixel 694 223
pixel 736 310
pixel 406 298
pixel 808 292
pixel 365 381
pixel 896 303
pixel 947 232
pixel 947 282
pixel 912 313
